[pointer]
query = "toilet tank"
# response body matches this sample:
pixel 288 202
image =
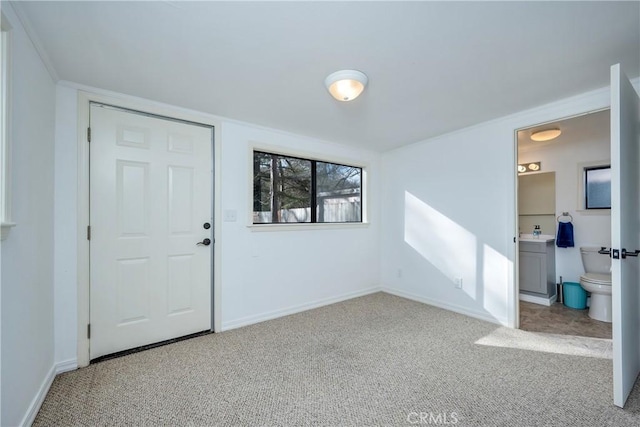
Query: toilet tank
pixel 593 262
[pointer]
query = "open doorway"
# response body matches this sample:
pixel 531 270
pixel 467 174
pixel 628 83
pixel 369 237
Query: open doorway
pixel 562 184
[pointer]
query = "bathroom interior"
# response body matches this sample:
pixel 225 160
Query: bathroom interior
pixel 564 221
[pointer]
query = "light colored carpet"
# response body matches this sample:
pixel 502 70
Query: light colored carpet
pixel 375 360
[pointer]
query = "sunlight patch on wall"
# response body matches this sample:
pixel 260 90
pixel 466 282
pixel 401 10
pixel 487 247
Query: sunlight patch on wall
pixel 444 243
pixel 495 279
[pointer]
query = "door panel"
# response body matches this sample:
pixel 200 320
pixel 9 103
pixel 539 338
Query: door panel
pixel 625 233
pixel 150 193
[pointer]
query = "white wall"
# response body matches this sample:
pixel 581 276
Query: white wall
pixel 264 274
pixel 449 212
pixel 27 254
pixel 591 228
pixel 267 273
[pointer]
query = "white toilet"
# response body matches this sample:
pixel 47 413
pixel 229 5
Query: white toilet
pixel 597 280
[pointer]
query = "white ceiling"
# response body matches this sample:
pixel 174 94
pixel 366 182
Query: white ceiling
pixel 433 67
pixel 587 127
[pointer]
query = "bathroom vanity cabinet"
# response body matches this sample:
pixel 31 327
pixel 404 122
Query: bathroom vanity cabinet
pixel 538 267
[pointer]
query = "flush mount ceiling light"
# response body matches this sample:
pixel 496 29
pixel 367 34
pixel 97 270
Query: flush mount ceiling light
pixel 346 85
pixel 546 134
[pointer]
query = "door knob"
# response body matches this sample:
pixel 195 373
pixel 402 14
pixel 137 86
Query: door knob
pixel 205 242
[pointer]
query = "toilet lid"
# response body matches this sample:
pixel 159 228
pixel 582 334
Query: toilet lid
pixel 597 278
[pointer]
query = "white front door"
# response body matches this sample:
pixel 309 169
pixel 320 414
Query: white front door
pixel 625 233
pixel 150 205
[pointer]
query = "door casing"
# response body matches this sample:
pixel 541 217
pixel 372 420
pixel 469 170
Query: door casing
pixel 514 312
pixel 83 302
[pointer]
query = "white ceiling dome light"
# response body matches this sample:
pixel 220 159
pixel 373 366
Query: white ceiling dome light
pixel 346 85
pixel 546 134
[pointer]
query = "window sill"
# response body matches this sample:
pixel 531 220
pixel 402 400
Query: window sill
pixel 307 226
pixel 594 211
pixel 6 227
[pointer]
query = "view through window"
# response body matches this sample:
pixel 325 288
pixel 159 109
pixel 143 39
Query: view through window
pixel 285 189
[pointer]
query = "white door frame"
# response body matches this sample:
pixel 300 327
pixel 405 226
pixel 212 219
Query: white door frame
pixel 584 104
pixel 597 100
pixel 515 312
pixel 84 99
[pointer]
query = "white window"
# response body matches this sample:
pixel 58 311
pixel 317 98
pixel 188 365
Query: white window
pixel 594 187
pixel 289 189
pixel 597 187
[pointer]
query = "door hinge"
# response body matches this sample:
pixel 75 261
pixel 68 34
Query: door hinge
pixel 89 331
pixel 88 232
pixel 89 134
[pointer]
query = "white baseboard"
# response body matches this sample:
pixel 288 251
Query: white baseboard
pixel 66 366
pixel 250 320
pixel 36 403
pixel 538 300
pixel 445 305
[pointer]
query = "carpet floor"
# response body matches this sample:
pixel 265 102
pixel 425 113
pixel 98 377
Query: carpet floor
pixel 374 360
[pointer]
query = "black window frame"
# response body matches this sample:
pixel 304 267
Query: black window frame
pixel 586 187
pixel 314 189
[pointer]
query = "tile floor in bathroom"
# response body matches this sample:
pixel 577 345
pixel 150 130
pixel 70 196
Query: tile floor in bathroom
pixel 560 319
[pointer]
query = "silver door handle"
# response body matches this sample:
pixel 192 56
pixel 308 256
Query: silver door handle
pixel 604 251
pixel 205 242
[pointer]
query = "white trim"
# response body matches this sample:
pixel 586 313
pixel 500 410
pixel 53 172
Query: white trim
pixel 38 399
pixel 445 305
pixel 309 155
pixel 298 226
pixel 250 320
pixel 84 98
pixel 83 222
pixel 591 102
pixel 66 366
pixel 35 40
pixel 538 300
pixel 5 125
pixel 594 212
pixel 513 313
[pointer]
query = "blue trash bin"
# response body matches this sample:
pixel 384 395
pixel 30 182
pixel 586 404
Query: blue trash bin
pixel 574 295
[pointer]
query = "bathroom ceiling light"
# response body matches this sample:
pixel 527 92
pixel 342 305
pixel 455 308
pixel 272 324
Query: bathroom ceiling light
pixel 546 134
pixel 346 85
